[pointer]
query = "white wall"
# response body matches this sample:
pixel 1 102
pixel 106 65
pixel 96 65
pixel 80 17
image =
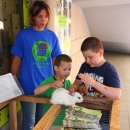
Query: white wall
pixel 111 24
pixel 51 4
pixel 79 31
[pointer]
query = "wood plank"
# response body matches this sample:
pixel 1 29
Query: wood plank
pixel 92 103
pixel 87 99
pixel 94 106
pixel 4 104
pixel 13 115
pixel 32 98
pixel 97 99
pixel 115 116
pixel 48 118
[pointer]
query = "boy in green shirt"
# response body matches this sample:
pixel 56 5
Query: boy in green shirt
pixel 62 68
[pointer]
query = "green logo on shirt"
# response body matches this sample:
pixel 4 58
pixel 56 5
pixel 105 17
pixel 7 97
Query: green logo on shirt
pixel 41 51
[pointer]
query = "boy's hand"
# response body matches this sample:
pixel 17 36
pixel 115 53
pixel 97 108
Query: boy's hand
pixel 56 84
pixel 86 79
pixel 72 89
pixel 82 90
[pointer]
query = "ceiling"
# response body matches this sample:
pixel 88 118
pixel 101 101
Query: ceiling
pixel 109 20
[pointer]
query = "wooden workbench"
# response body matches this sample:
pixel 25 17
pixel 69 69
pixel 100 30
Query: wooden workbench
pixel 47 120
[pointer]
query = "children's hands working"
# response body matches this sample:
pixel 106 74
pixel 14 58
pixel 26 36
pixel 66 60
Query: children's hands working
pixel 56 84
pixel 82 90
pixel 72 88
pixel 86 79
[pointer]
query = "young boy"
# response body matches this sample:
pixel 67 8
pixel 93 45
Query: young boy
pixel 98 75
pixel 62 68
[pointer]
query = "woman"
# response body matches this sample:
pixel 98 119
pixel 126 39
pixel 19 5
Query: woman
pixel 34 51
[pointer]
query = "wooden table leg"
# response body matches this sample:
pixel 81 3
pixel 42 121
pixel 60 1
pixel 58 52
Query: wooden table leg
pixel 13 115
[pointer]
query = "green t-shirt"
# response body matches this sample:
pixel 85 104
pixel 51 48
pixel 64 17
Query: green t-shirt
pixel 49 92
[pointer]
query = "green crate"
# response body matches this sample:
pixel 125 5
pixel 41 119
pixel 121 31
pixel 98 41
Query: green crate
pixel 4 113
pixel 18 106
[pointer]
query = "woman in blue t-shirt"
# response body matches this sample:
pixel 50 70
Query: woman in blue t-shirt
pixel 34 50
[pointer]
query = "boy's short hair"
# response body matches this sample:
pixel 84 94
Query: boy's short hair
pixel 60 58
pixel 92 43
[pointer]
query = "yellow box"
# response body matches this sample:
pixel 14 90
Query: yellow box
pixel 4 113
pixel 18 106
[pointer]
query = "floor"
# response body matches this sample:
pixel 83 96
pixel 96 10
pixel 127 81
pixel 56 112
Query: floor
pixel 122 64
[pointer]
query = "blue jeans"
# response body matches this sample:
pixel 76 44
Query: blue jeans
pixel 32 113
pixel 105 126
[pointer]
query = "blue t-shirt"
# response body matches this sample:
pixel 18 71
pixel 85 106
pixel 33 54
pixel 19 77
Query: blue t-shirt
pixel 105 74
pixel 36 50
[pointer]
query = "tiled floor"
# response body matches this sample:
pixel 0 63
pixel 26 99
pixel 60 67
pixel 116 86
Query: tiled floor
pixel 122 64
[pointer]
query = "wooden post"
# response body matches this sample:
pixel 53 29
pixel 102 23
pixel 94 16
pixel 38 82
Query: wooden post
pixel 115 116
pixel 13 115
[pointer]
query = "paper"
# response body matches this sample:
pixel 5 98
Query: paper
pixel 9 88
pixel 82 118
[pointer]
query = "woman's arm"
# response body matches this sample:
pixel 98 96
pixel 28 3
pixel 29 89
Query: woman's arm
pixel 53 60
pixel 15 65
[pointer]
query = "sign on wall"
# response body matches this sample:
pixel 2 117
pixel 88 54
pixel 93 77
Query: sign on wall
pixel 63 24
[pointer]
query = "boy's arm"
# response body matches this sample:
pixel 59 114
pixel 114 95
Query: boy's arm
pixel 109 91
pixel 41 89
